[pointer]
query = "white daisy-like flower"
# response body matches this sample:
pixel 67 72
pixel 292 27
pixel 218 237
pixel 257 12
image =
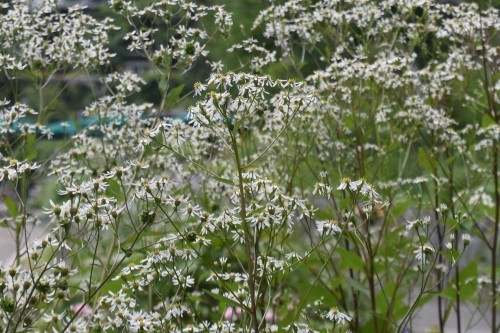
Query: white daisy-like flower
pixel 466 239
pixel 328 227
pixel 423 250
pixel 344 182
pixel 336 316
pixel 199 88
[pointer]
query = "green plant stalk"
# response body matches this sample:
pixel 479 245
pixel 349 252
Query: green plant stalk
pixel 125 194
pixel 208 263
pixel 313 284
pixel 494 294
pixel 423 283
pixel 440 259
pixel 439 256
pixel 21 227
pixel 493 113
pixel 371 276
pixel 34 283
pixel 104 280
pixel 457 269
pixel 251 257
pixel 93 260
pixel 457 287
pixel 354 293
pixel 399 280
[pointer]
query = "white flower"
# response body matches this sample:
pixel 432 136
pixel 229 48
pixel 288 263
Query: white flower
pixel 175 311
pixel 198 88
pixel 336 316
pixel 354 185
pixel 260 222
pixel 344 182
pixel 466 239
pixel 183 281
pixel 328 227
pixel 423 250
pixel 53 317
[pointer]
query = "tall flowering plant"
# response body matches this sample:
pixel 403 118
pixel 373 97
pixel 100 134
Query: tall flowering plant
pixel 336 180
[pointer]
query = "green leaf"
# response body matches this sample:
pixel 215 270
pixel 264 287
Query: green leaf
pixel 487 120
pixel 350 259
pixel 401 206
pixel 223 299
pixel 358 286
pixel 222 180
pixel 173 96
pixel 426 161
pixel 327 53
pixel 11 206
pixel 30 147
pixel 53 105
pixel 237 125
pixel 114 190
pixel 163 85
pixel 3 223
pixel 468 283
pixel 450 160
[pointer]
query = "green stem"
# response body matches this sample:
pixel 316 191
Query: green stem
pixel 494 293
pixel 493 112
pixel 248 236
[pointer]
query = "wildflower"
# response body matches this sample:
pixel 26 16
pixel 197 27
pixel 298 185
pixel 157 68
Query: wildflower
pixel 336 316
pixel 78 325
pixel 327 228
pixel 412 224
pixel 176 310
pixel 466 239
pixel 82 309
pixel 293 255
pixel 423 250
pixel 55 210
pixel 354 185
pixel 270 316
pixel 232 314
pixel 183 281
pixel 216 66
pixel 344 182
pixel 199 88
pixel 53 317
pixel 260 222
pixel 368 191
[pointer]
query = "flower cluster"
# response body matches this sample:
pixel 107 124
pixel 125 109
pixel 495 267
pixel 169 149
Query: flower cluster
pixel 37 38
pixel 231 219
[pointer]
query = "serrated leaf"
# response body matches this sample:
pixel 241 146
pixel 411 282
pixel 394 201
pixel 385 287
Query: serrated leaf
pixel 222 298
pixel 114 190
pixel 469 272
pixel 11 206
pixel 487 120
pixel 30 147
pixel 163 85
pixel 237 125
pixel 328 53
pixel 223 180
pixel 350 259
pixel 468 283
pixel 358 286
pixel 450 160
pixel 4 223
pixel 425 161
pixel 173 96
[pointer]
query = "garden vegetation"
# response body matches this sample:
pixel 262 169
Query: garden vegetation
pixel 335 169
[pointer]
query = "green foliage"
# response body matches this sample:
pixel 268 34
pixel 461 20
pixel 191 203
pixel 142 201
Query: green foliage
pixel 315 166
